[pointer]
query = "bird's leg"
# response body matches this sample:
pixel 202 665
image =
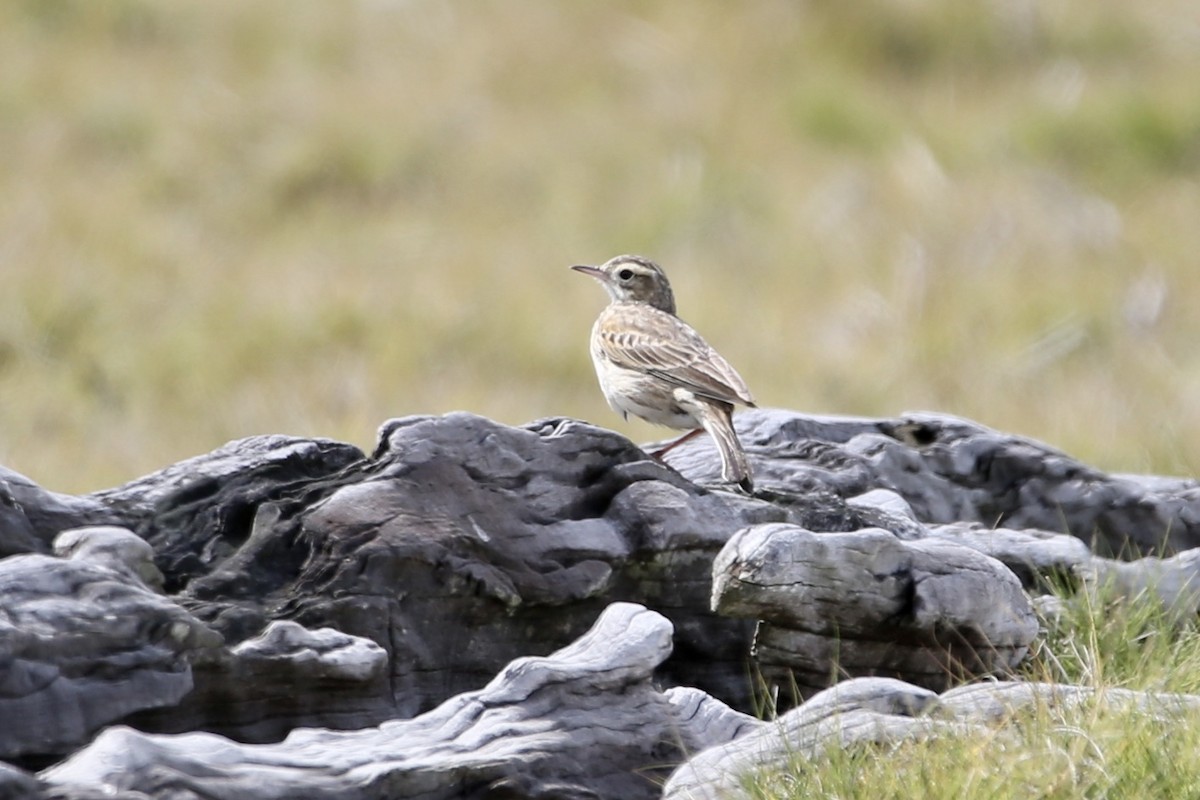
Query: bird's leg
pixel 662 451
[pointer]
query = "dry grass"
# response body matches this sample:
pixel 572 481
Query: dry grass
pixel 1097 749
pixel 231 218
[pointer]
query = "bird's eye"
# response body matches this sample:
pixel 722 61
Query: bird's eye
pixel 625 274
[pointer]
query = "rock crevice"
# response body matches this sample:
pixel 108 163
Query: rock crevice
pixel 295 594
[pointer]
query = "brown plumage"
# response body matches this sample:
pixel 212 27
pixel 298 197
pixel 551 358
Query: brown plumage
pixel 653 365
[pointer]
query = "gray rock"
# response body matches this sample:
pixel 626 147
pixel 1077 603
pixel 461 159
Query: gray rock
pixel 285 677
pixel 517 535
pixel 703 718
pixel 997 701
pixel 883 508
pixel 858 710
pixel 883 711
pixel 1051 609
pixel 952 470
pixel 355 589
pixel 326 653
pixel 1174 582
pixel 270 460
pixel 84 642
pixel 457 523
pixel 17 784
pixel 198 512
pixel 118 549
pixel 1040 559
pixel 30 516
pixel 585 721
pixel 867 603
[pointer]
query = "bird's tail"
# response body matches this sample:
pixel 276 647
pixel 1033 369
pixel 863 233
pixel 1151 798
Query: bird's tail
pixel 718 421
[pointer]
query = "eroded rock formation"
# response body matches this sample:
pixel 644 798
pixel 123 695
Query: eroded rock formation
pixel 283 590
pixel 555 726
pixel 931 611
pixel 883 711
pixel 84 641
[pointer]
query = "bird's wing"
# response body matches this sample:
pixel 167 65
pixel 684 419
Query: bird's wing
pixel 665 346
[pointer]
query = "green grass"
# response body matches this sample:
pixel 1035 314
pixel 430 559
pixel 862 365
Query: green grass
pixel 234 218
pixel 1097 749
pixel 1091 751
pixel 1103 640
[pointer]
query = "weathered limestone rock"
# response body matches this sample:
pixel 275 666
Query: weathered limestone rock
pixel 1174 581
pixel 883 711
pixel 285 677
pixel 16 784
pixel 858 710
pixel 953 470
pixel 1039 558
pixel 199 512
pixel 354 589
pixel 703 718
pixel 585 721
pixel 84 641
pixel 883 508
pixel 30 516
pixel 455 527
pixel 118 549
pixel 995 701
pixel 866 603
pixel 331 653
pixel 266 464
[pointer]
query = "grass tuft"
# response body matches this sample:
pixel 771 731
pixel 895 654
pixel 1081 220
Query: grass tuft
pixel 1096 748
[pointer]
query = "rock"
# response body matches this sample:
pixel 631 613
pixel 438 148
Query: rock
pixel 355 589
pixel 457 523
pixel 519 534
pixel 200 511
pixel 883 508
pixel 118 549
pixel 1013 482
pixel 867 603
pixel 997 701
pixel 84 642
pixel 1174 581
pixel 952 470
pixel 585 721
pixel 883 711
pixel 703 718
pixel 286 677
pixel 858 710
pixel 1051 609
pixel 1040 559
pixel 331 653
pixel 259 462
pixel 17 784
pixel 30 516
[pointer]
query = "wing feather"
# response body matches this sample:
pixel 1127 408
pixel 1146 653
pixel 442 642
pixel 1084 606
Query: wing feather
pixel 665 346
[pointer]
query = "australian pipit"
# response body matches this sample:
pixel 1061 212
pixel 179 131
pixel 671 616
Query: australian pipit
pixel 655 366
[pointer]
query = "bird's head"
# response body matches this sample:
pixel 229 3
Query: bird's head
pixel 633 279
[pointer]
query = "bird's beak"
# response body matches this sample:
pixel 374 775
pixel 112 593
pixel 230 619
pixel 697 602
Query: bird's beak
pixel 588 269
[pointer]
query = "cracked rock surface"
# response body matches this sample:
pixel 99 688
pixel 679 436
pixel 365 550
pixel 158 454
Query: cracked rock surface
pixel 286 590
pixel 557 726
pixel 868 603
pixel 84 641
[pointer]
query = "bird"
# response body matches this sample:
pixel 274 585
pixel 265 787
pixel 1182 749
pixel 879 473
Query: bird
pixel 652 364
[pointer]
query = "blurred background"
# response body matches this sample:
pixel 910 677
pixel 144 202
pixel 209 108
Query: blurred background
pixel 223 218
